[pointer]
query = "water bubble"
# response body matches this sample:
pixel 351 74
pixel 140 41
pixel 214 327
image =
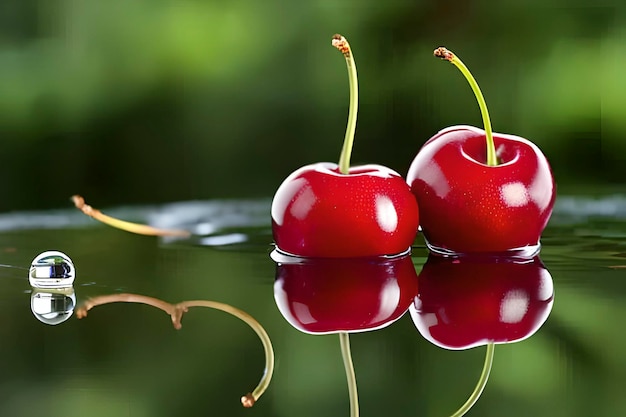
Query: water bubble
pixel 53 306
pixel 52 269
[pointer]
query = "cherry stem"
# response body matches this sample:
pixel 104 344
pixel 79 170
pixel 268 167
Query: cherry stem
pixel 342 44
pixel 176 312
pixel 90 303
pixel 140 229
pixel 480 386
pixel 344 338
pixel 250 398
pixel 443 53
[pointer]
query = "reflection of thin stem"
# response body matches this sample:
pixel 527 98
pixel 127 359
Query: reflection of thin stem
pixel 170 309
pixel 249 399
pixel 480 386
pixel 344 338
pixel 176 313
pixel 140 229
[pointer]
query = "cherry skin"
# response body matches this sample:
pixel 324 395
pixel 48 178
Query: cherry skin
pixel 319 212
pixel 467 206
pixel 326 295
pixel 468 302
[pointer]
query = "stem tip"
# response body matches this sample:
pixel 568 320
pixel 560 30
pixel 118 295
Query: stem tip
pixel 443 53
pixel 341 43
pixel 248 400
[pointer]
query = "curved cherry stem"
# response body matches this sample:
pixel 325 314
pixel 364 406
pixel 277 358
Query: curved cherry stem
pixel 176 312
pixel 480 386
pixel 443 53
pixel 342 44
pixel 250 398
pixel 344 339
pixel 140 229
pixel 129 298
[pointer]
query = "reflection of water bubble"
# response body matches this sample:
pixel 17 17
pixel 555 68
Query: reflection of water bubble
pixel 52 269
pixel 53 306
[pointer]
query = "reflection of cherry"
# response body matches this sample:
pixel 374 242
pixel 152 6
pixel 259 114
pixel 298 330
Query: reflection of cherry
pixel 343 295
pixel 469 302
pixel 322 296
pixel 472 301
pixel 176 312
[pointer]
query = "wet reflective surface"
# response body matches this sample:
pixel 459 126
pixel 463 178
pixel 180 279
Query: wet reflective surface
pixel 333 295
pixel 127 359
pixel 467 302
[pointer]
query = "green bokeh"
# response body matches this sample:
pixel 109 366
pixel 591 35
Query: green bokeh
pixel 152 101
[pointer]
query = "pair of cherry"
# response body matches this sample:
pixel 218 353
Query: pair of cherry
pixel 344 235
pixel 462 302
pixel 477 192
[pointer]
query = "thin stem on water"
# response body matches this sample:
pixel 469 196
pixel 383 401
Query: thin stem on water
pixel 480 386
pixel 344 338
pixel 342 44
pixel 140 229
pixel 443 53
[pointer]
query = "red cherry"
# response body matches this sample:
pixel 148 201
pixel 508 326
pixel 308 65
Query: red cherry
pixel 325 295
pixel 468 302
pixel 467 206
pixel 319 212
pixel 481 192
pixel 330 210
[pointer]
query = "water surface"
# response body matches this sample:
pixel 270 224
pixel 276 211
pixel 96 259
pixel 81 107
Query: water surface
pixel 127 359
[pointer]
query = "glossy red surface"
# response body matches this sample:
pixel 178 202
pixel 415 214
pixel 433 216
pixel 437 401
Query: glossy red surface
pixel 319 212
pixel 467 206
pixel 466 302
pixel 321 296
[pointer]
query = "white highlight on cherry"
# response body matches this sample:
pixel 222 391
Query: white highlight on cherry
pixel 304 203
pixel 389 299
pixel 279 204
pixel 302 312
pixel 514 306
pixel 386 214
pixel 546 286
pixel 514 194
pixel 435 177
pixel 540 192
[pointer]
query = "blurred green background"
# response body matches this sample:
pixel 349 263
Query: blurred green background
pixel 149 101
pixel 144 101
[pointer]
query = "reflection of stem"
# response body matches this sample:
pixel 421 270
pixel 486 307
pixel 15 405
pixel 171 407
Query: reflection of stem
pixel 170 309
pixel 249 399
pixel 176 313
pixel 140 229
pixel 347 362
pixel 480 386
